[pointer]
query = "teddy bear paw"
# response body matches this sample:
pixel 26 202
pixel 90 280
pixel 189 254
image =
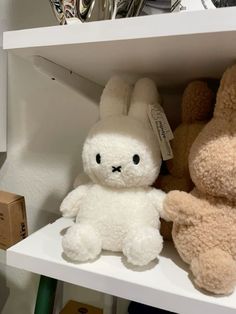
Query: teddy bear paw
pixel 81 243
pixel 215 271
pixel 172 204
pixel 142 245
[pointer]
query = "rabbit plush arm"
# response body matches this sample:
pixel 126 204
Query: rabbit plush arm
pixel 157 198
pixel 185 208
pixel 70 205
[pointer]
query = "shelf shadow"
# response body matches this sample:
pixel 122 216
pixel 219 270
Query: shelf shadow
pixel 169 251
pixel 3 157
pixel 67 259
pixel 135 268
pixel 4 290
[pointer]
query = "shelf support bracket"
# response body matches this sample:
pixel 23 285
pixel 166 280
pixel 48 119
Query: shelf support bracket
pixel 58 73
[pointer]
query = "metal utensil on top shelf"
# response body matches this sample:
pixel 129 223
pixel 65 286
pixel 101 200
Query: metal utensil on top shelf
pixel 67 11
pixel 58 11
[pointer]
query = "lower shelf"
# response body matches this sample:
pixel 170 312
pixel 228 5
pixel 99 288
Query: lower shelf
pixel 164 284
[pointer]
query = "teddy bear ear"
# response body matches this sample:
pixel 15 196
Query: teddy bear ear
pixel 144 93
pixel 115 98
pixel 226 97
pixel 197 102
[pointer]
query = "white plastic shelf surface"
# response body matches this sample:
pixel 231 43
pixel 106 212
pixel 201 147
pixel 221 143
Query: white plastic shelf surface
pixel 164 284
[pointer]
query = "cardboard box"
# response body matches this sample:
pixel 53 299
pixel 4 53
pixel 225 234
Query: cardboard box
pixel 13 221
pixel 73 307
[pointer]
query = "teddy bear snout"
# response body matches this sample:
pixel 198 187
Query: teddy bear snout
pixel 114 168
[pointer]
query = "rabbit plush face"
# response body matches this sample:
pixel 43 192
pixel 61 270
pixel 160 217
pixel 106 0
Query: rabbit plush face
pixel 121 152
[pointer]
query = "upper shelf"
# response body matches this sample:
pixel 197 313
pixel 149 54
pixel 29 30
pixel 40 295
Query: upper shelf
pixel 171 48
pixel 165 284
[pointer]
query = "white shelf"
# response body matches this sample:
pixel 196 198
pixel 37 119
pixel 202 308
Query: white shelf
pixel 172 48
pixel 165 285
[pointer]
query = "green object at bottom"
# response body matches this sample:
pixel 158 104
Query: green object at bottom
pixel 46 295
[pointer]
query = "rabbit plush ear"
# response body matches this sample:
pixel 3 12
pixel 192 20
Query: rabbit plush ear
pixel 145 93
pixel 197 102
pixel 226 96
pixel 115 98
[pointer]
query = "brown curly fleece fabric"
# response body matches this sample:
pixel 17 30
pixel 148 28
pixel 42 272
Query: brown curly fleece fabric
pixel 197 108
pixel 204 230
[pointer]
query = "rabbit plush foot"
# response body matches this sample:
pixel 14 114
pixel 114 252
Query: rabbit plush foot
pixel 82 243
pixel 215 271
pixel 142 245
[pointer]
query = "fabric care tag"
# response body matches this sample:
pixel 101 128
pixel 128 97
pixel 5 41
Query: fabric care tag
pixel 161 128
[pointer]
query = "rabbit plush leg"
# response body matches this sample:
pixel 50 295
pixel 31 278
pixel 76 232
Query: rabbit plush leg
pixel 215 271
pixel 82 243
pixel 142 245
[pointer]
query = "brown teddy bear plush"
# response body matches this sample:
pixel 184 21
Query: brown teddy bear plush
pixel 197 107
pixel 204 230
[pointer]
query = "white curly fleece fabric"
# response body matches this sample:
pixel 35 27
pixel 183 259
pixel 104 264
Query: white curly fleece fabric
pixel 118 211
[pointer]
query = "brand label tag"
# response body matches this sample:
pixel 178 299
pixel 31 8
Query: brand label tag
pixel 162 129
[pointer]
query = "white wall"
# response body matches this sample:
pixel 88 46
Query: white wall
pixel 47 124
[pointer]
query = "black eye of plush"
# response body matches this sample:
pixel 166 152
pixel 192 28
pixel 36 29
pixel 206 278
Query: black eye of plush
pixel 98 158
pixel 136 159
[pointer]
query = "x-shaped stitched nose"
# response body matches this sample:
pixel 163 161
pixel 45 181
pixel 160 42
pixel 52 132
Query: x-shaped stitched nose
pixel 114 169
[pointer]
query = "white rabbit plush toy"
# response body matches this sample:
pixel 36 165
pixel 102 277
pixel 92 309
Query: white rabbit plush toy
pixel 118 210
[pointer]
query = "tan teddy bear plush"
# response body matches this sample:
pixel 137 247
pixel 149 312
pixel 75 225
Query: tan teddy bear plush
pixel 196 109
pixel 204 229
